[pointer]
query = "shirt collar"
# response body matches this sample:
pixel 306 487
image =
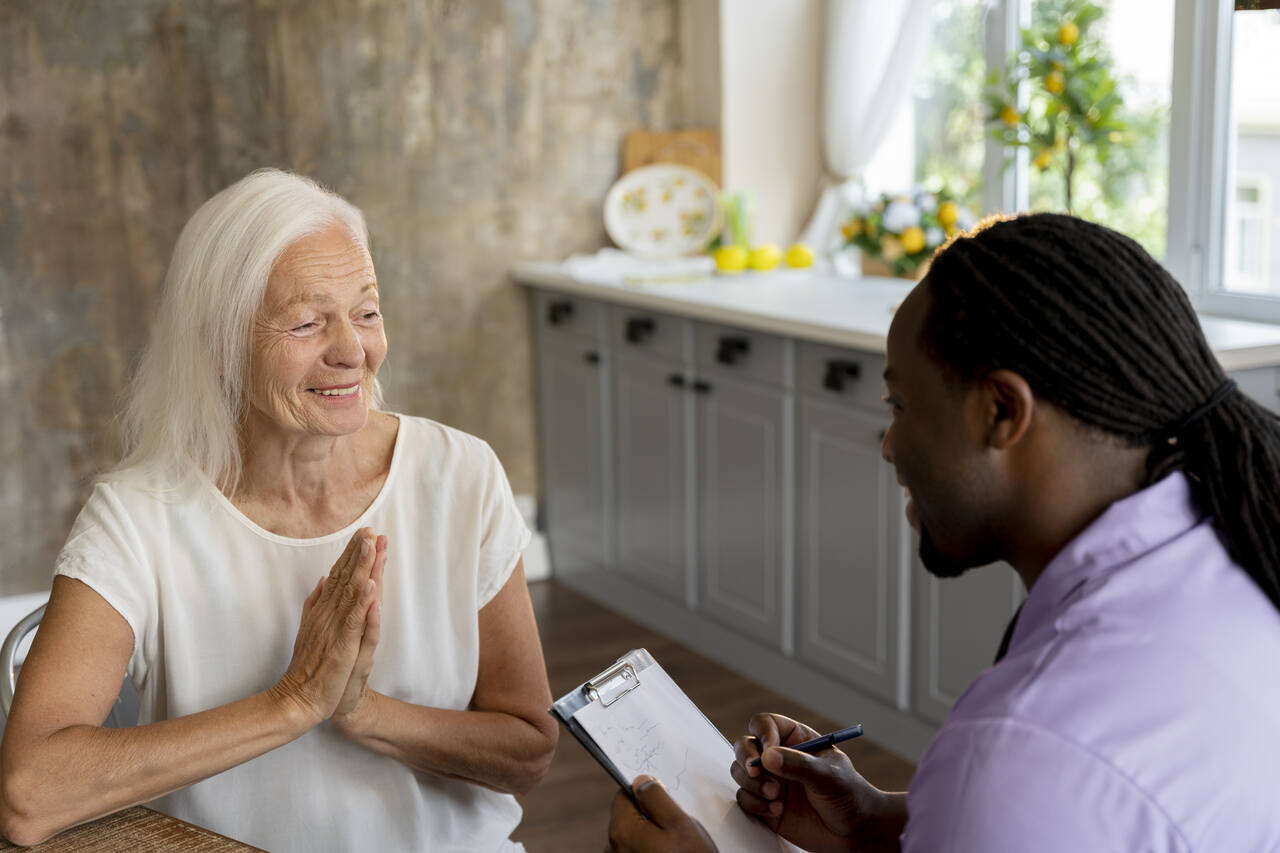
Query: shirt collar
pixel 1127 529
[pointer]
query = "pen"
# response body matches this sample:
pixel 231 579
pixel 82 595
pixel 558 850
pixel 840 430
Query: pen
pixel 820 743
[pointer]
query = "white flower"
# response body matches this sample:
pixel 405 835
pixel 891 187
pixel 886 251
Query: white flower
pixel 926 201
pixel 899 216
pixel 934 236
pixel 964 218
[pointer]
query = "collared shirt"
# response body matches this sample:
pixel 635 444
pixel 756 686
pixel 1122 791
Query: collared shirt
pixel 1138 708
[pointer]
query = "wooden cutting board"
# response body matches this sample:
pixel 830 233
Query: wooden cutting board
pixel 698 149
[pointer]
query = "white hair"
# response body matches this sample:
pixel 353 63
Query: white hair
pixel 190 395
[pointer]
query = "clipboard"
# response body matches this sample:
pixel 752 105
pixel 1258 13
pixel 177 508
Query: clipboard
pixel 632 718
pixel 606 688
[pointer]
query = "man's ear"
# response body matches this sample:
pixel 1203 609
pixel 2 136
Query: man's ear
pixel 1009 403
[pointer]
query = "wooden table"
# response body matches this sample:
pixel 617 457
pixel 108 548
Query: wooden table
pixel 138 830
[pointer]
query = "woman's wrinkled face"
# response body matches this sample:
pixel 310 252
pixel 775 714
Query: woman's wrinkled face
pixel 318 338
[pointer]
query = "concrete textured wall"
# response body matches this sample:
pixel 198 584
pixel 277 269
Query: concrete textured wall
pixel 472 134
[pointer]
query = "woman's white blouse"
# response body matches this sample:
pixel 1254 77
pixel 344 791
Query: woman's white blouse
pixel 214 602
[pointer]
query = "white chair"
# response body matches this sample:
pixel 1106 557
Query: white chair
pixel 124 713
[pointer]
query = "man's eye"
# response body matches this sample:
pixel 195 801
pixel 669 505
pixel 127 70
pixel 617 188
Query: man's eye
pixel 371 315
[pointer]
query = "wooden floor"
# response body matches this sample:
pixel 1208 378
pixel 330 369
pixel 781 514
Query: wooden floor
pixel 569 811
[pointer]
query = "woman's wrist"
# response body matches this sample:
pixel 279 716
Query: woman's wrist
pixel 359 721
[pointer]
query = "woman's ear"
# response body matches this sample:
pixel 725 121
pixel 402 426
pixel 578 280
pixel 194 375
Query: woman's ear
pixel 1010 404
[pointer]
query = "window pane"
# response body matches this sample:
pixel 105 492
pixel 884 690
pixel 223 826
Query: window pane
pixel 1130 190
pixel 938 141
pixel 949 110
pixel 1253 208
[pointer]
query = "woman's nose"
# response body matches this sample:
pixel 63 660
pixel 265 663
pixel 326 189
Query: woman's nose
pixel 345 348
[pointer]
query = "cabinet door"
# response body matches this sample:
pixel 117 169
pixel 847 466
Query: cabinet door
pixel 958 626
pixel 649 402
pixel 573 479
pixel 1262 384
pixel 849 569
pixel 740 484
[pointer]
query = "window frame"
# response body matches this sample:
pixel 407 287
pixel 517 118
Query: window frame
pixel 1201 151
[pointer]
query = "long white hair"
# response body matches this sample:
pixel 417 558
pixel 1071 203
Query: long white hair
pixel 189 397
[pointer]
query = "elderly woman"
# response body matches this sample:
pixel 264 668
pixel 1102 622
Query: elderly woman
pixel 261 481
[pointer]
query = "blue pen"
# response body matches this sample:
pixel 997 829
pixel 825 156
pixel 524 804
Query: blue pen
pixel 820 743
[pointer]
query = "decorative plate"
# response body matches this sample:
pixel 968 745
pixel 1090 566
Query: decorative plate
pixel 663 211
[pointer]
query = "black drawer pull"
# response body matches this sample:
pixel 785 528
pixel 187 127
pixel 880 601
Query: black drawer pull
pixel 702 387
pixel 675 380
pixel 838 371
pixel 638 329
pixel 558 312
pixel 732 348
pixel 592 357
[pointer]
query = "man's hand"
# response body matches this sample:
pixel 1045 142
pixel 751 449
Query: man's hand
pixel 660 827
pixel 818 802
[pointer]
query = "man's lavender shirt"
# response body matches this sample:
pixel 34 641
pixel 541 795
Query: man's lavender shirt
pixel 1138 708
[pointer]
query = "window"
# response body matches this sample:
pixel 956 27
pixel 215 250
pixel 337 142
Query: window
pixel 1254 137
pixel 1196 182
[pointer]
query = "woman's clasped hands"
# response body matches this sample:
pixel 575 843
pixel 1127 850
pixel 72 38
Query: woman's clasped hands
pixel 337 636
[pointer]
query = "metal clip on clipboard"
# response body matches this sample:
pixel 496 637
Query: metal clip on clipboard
pixel 606 688
pixel 612 684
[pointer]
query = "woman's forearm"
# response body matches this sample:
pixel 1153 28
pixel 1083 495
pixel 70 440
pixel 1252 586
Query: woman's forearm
pixel 497 750
pixel 50 782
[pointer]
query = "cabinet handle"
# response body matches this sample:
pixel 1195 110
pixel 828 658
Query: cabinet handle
pixel 592 357
pixel 638 328
pixel 702 387
pixel 559 311
pixel 675 380
pixel 732 348
pixel 838 371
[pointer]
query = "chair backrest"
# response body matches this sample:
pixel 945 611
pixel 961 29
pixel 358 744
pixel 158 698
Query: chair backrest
pixel 9 670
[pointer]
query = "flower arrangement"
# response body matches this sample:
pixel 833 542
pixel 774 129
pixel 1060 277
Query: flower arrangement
pixel 902 231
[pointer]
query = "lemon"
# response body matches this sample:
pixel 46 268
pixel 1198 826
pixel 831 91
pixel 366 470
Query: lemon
pixel 912 239
pixel 764 257
pixel 1043 158
pixel 1068 33
pixel 799 256
pixel 851 229
pixel 1055 82
pixel 1010 115
pixel 948 213
pixel 731 259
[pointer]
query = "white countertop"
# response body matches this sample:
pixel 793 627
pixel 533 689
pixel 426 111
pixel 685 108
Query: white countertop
pixel 823 308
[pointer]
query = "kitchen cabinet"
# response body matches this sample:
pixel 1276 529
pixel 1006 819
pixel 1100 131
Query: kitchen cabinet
pixel 652 505
pixel 717 474
pixel 850 572
pixel 958 623
pixel 743 517
pixel 571 426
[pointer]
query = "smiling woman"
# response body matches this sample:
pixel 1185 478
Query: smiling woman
pixel 410 702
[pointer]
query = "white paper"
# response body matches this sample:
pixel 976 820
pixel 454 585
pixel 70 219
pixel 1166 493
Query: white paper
pixel 656 729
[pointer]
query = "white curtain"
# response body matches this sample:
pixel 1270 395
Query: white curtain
pixel 872 52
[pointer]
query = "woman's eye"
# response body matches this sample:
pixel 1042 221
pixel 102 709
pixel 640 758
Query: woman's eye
pixel 371 315
pixel 305 327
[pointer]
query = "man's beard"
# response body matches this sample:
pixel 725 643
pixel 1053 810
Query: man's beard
pixel 935 562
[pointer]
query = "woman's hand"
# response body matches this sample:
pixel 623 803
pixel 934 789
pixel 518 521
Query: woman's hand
pixel 329 640
pixel 357 697
pixel 818 802
pixel 658 826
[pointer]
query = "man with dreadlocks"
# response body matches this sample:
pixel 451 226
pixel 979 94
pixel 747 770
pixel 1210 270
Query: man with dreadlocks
pixel 1055 406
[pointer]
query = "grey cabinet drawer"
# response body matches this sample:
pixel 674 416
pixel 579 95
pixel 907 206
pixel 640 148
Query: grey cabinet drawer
pixel 559 314
pixel 636 331
pixel 740 354
pixel 1262 384
pixel 841 375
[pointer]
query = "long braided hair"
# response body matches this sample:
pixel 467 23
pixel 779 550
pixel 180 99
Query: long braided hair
pixel 1101 330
